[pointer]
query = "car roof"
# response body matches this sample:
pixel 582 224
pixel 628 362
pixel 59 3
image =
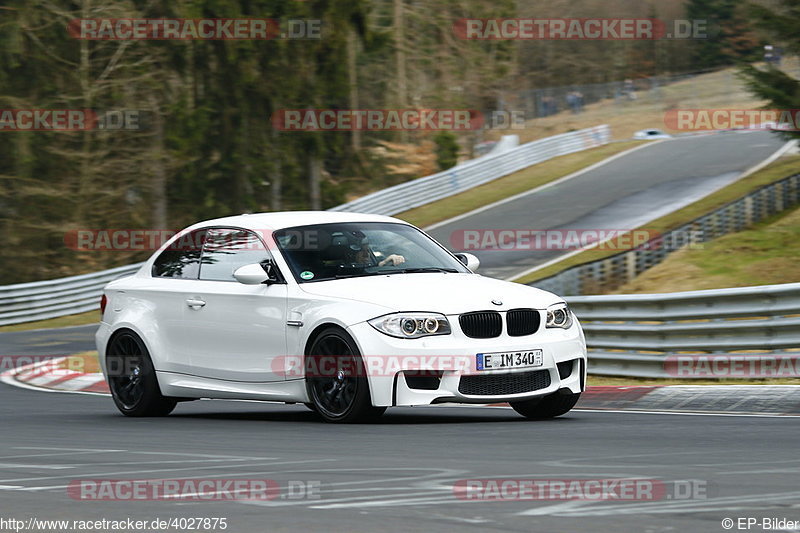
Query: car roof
pixel 287 219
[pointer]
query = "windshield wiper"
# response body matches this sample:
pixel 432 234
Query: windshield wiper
pixel 428 269
pixel 361 275
pixel 396 271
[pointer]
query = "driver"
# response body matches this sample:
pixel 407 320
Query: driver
pixel 365 255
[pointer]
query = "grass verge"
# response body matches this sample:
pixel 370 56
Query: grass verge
pixel 81 319
pixel 770 174
pixel 763 255
pixel 516 183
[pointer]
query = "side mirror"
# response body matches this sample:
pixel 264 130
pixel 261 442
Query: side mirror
pixel 257 274
pixel 469 260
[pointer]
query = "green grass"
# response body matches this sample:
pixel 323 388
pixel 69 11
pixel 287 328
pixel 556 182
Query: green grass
pixel 515 183
pixel 763 255
pixel 774 172
pixel 90 317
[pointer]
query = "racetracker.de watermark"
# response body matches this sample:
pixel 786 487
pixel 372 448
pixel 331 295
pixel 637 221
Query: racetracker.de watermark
pixel 327 366
pixel 151 239
pixel 515 239
pixel 600 489
pixel 195 490
pixel 209 29
pixel 43 363
pixel 581 29
pixel 733 119
pixel 733 366
pixel 552 239
pixel 377 120
pixel 72 120
pixel 129 240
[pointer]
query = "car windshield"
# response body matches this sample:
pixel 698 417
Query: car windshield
pixel 334 251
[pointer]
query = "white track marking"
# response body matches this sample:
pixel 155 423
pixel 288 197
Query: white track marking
pixel 100 450
pixel 25 456
pixel 101 475
pixel 557 508
pixel 731 503
pixel 43 467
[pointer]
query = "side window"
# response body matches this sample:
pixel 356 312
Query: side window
pixel 225 250
pixel 181 259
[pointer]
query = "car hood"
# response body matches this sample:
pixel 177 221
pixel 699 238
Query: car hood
pixel 436 292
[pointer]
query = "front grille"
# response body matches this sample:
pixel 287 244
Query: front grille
pixel 522 322
pixel 500 384
pixel 481 324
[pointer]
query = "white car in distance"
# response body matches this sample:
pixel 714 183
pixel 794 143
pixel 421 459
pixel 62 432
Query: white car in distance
pixel 346 313
pixel 651 135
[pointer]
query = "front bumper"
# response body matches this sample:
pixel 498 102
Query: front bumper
pixel 390 386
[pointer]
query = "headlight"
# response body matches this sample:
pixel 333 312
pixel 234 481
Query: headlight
pixel 559 316
pixel 411 325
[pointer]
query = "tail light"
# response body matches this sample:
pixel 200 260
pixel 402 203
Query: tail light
pixel 103 302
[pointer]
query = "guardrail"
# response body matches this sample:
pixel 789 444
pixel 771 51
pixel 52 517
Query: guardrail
pixel 616 270
pixel 475 172
pixel 40 300
pixel 653 335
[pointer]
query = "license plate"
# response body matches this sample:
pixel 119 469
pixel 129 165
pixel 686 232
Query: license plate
pixel 500 360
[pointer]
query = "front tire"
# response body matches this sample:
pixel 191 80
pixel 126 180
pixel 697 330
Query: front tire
pixel 132 378
pixel 550 406
pixel 336 381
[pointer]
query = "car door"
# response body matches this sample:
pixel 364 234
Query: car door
pixel 234 331
pixel 164 295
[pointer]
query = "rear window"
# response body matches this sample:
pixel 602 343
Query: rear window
pixel 181 260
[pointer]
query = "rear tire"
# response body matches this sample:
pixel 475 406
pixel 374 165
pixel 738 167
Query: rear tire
pixel 550 406
pixel 336 381
pixel 132 378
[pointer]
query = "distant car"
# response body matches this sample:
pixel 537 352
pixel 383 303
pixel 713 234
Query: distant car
pixel 651 134
pixel 346 313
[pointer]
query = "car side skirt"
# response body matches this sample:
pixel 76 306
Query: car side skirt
pixel 186 386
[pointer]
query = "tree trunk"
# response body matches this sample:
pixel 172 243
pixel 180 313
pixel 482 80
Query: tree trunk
pixel 158 180
pixel 400 60
pixel 355 138
pixel 315 175
pixel 85 178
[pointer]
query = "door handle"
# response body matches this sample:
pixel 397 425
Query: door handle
pixel 195 303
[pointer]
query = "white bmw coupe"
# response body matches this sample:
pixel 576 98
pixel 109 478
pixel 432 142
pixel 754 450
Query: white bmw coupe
pixel 346 313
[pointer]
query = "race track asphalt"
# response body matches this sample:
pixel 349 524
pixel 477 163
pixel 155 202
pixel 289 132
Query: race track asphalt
pixel 397 474
pixel 620 195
